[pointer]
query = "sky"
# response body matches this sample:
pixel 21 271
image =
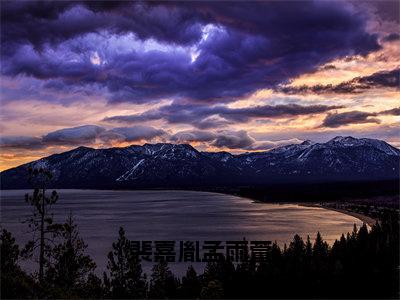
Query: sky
pixel 222 76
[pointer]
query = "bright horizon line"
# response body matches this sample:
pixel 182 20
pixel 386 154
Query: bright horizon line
pixel 232 150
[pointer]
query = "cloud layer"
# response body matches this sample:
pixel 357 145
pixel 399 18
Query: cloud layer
pixel 204 117
pixel 356 117
pixel 92 135
pixel 382 79
pixel 205 52
pixel 82 135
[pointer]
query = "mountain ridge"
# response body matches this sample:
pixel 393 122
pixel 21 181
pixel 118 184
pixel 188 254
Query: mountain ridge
pixel 181 165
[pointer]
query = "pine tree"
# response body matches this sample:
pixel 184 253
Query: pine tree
pixel 297 247
pixel 320 248
pixel 354 233
pixel 213 290
pixel 320 264
pixel 362 235
pixel 93 288
pixel 308 250
pixel 276 253
pixel 222 272
pixel 72 267
pixel 9 252
pixel 126 275
pixel 163 284
pixel 191 286
pixel 15 283
pixel 41 222
pixel 308 258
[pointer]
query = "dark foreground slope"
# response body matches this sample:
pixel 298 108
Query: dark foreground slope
pixel 182 166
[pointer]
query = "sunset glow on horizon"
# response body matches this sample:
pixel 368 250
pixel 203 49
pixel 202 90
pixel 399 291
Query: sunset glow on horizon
pixel 240 77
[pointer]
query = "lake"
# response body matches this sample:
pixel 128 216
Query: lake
pixel 175 215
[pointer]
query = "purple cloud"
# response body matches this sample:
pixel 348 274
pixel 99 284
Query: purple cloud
pixel 44 22
pixel 189 136
pixel 86 134
pixel 347 118
pixel 220 52
pixel 233 140
pixel 356 117
pixel 82 135
pixel 21 142
pixel 204 117
pixel 91 134
pixel 382 79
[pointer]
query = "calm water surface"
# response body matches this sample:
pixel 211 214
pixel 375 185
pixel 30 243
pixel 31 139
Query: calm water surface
pixel 175 215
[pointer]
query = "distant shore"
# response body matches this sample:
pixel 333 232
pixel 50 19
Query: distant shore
pixel 363 218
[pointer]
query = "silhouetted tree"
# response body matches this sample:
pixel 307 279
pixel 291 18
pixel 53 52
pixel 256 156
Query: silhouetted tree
pixel 15 283
pixel 9 252
pixel 213 290
pixel 296 248
pixel 126 276
pixel 93 288
pixel 41 222
pixel 308 249
pixel 320 248
pixel 72 267
pixel 163 283
pixel 191 286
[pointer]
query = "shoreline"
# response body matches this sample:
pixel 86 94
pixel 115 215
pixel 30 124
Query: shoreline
pixel 363 218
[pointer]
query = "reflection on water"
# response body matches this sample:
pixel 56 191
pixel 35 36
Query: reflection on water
pixel 175 215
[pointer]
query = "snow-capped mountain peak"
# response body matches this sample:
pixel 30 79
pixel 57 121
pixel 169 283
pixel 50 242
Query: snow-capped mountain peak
pixel 178 165
pixel 307 143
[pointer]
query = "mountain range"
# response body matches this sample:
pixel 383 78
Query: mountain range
pixel 165 165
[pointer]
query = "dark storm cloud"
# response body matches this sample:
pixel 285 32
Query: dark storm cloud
pixel 41 22
pixel 347 118
pixel 250 45
pixel 204 117
pixel 21 142
pixel 383 79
